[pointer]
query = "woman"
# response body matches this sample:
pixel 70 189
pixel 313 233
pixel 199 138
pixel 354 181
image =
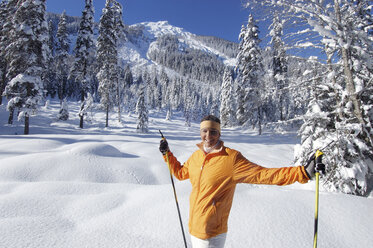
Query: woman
pixel 214 170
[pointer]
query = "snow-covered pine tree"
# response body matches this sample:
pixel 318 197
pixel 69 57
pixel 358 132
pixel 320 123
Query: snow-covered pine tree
pixel 300 75
pixel 215 104
pixel 121 90
pixel 158 102
pixel 62 57
pixel 82 72
pixel 196 107
pixel 268 97
pixel 86 107
pixel 239 94
pixel 205 107
pixel 280 67
pixel 169 113
pixel 26 54
pixel 239 80
pixel 8 9
pixel 226 99
pixel 187 102
pixel 166 88
pixel 119 35
pixel 128 77
pixel 319 118
pixel 164 83
pixel 249 74
pixel 134 93
pixel 50 86
pixel 345 35
pixel 128 82
pixel 3 43
pixel 157 88
pixel 188 113
pixel 107 59
pixel 176 93
pixel 142 112
pixel 150 94
pixel 63 114
pixel 354 44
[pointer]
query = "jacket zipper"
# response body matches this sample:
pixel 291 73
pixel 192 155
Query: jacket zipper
pixel 199 185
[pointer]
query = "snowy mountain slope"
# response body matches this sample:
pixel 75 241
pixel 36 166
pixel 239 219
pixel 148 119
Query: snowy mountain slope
pixel 109 187
pixel 142 35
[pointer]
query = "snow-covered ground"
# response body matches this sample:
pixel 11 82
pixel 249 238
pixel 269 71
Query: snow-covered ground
pixel 101 187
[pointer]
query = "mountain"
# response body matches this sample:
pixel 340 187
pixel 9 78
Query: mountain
pixel 146 44
pixel 197 57
pixel 142 38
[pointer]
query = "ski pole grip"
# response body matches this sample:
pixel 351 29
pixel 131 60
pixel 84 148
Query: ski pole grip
pixel 318 157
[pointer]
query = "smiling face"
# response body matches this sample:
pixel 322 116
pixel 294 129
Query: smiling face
pixel 209 136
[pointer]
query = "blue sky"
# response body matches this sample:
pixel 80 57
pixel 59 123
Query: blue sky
pixel 221 18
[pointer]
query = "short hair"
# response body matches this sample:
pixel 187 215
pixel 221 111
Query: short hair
pixel 211 118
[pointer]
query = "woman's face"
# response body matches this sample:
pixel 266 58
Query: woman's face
pixel 209 136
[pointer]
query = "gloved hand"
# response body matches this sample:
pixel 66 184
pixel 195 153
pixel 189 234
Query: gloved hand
pixel 163 146
pixel 312 167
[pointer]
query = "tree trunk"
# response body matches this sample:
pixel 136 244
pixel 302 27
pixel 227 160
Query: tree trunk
pixel 119 102
pixel 107 116
pixel 260 120
pixel 27 124
pixel 81 108
pixel 11 116
pixel 81 121
pixel 350 86
pixel 2 84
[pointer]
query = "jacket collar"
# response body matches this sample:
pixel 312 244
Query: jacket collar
pixel 218 149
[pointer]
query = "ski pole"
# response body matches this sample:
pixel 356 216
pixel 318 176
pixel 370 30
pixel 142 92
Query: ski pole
pixel 318 160
pixel 173 186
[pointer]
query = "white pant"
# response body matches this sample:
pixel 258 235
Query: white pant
pixel 214 242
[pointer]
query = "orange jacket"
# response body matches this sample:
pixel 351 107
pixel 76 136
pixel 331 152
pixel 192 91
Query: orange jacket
pixel 214 177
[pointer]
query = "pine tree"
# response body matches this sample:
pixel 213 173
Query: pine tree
pixel 149 89
pixel 119 35
pixel 26 54
pixel 226 99
pixel 3 43
pixel 249 74
pixel 239 80
pixel 176 97
pixel 128 82
pixel 63 114
pixel 7 11
pixel 159 97
pixel 164 82
pixel 86 107
pixel 83 67
pixel 62 56
pixel 346 37
pixel 142 112
pixel 107 58
pixel 50 78
pixel 319 116
pixel 157 89
pixel 279 67
pixel 215 105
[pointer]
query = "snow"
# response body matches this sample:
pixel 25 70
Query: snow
pixel 101 187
